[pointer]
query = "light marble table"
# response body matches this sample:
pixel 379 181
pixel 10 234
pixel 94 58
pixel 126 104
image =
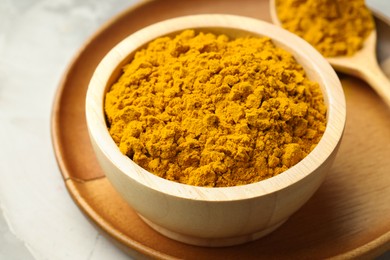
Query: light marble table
pixel 38 38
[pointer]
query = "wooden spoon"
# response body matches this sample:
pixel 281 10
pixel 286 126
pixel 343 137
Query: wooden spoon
pixel 362 64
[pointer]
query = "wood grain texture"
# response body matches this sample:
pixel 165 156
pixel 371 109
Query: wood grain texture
pixel 347 217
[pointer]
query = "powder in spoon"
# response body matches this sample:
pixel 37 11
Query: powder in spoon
pixel 206 110
pixel 333 27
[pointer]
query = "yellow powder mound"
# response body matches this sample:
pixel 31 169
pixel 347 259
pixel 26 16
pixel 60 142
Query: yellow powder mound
pixel 204 110
pixel 333 27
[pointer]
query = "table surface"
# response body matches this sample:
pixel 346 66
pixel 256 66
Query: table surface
pixel 38 39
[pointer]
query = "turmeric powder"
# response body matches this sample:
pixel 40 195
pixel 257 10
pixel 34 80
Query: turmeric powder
pixel 205 110
pixel 333 27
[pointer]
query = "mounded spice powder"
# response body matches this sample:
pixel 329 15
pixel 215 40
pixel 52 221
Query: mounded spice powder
pixel 205 110
pixel 333 27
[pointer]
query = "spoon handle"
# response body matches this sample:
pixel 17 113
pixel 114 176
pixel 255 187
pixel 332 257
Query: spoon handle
pixel 376 78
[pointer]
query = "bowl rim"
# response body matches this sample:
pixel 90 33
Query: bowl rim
pixel 303 51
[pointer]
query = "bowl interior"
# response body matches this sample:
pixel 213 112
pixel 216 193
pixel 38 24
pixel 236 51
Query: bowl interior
pixel 316 67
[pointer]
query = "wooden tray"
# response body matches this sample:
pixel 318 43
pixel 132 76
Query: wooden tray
pixel 348 217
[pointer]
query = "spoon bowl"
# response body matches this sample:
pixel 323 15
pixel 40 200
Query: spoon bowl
pixel 363 64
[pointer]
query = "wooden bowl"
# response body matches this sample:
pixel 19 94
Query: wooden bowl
pixel 215 216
